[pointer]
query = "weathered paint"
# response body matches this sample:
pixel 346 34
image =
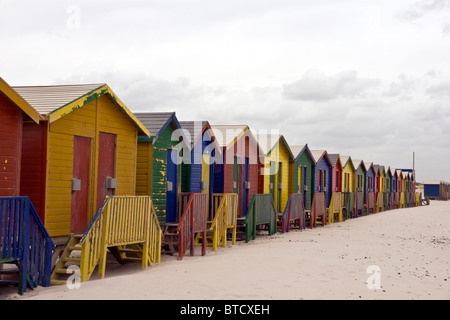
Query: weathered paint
pixel 91 97
pixel 152 168
pixel 100 115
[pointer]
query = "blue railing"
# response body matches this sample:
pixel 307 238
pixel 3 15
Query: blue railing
pixel 25 241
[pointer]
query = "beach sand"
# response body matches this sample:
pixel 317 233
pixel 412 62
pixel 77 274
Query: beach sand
pixel 409 247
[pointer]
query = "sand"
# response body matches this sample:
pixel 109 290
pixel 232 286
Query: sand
pixel 410 248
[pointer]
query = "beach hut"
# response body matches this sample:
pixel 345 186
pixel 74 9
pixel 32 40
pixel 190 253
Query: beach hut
pixel 239 170
pixel 322 174
pixel 388 189
pixel 278 166
pixel 348 184
pixel 14 112
pixel 198 175
pixel 83 150
pixel 303 173
pixel 348 174
pixel 371 198
pixel 376 185
pixel 336 179
pixel 159 162
pixel 432 189
pixel 360 186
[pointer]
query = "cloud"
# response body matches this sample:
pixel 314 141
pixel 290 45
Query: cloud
pixel 435 9
pixel 316 86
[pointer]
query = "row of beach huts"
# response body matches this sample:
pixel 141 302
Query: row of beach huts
pixel 82 176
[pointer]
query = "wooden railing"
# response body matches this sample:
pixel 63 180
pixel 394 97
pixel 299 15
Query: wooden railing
pixel 349 202
pixel 387 201
pixel 192 221
pixel 370 203
pixel 24 240
pixel 379 204
pixel 224 217
pixel 359 204
pixel 294 212
pixel 402 200
pixel 260 212
pixel 318 209
pixel 335 207
pixel 120 220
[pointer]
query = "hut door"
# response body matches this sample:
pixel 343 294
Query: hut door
pixel 279 187
pixel 80 184
pixel 272 185
pixel 235 175
pixel 106 182
pixel 244 187
pixel 171 189
pixel 206 181
pixel 303 186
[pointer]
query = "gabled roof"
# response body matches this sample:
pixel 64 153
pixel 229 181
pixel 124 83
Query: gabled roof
pixel 196 130
pixel 228 135
pixel 369 165
pixel 19 101
pixel 319 154
pixel 54 102
pixel 298 150
pixel 389 171
pixel 376 168
pixel 335 159
pixel 268 142
pixel 347 160
pixel 157 122
pixel 359 163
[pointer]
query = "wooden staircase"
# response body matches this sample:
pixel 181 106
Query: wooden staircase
pixel 240 229
pixel 71 256
pixel 169 243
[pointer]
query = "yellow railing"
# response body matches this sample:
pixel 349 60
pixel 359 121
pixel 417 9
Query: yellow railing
pixel 336 205
pixel 224 217
pixel 121 220
pixel 380 202
pixel 402 199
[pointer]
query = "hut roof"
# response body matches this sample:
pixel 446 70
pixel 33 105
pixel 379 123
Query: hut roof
pixel 297 151
pixel 19 101
pixel 56 101
pixel 227 135
pixel 196 129
pixel 334 158
pixel 268 142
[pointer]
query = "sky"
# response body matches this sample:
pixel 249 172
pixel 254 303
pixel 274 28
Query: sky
pixel 366 79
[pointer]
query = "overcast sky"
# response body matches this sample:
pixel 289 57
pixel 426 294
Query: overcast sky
pixel 369 79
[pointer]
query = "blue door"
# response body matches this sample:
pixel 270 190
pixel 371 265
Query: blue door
pixel 171 189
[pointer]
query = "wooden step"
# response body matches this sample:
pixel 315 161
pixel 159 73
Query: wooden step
pixel 58 282
pixel 71 259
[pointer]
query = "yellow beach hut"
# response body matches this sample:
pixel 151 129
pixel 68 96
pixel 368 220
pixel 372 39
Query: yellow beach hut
pixel 83 150
pixel 278 167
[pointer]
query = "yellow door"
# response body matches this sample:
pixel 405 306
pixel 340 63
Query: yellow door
pixel 205 174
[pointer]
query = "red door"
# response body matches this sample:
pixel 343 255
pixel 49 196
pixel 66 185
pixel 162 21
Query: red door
pixel 80 184
pixel 106 165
